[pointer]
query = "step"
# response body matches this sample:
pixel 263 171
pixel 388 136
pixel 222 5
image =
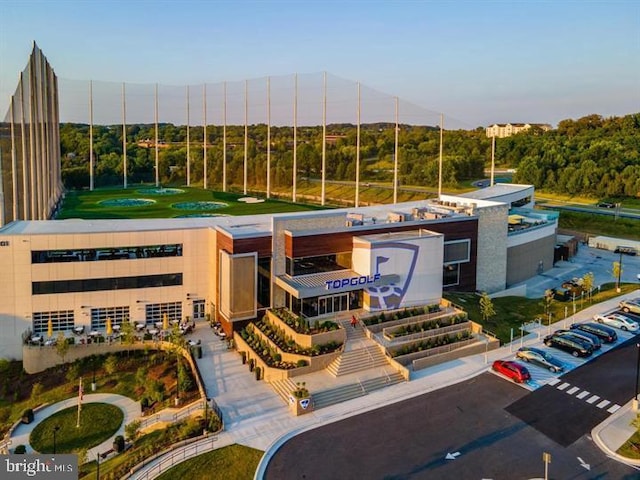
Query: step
pixel 357 360
pixel 337 395
pixel 284 388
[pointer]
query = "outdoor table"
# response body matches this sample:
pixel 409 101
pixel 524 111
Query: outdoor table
pixel 36 339
pixel 79 329
pixel 116 328
pixel 94 333
pixel 50 342
pixel 140 326
pixel 154 331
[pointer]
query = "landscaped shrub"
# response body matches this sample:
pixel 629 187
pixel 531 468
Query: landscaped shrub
pixel 118 443
pixel 258 371
pixel 27 416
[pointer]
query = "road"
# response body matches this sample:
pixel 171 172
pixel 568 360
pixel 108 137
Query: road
pixel 484 428
pixel 623 213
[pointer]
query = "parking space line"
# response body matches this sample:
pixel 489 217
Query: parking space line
pixel 603 403
pixel 553 381
pixel 563 386
pixel 572 390
pixel 592 399
pixel 582 394
pixel 614 408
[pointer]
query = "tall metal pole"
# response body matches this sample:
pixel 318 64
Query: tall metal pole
pixel 124 136
pixel 324 136
pixel 246 136
pixel 224 138
pixel 204 134
pixel 188 143
pixel 618 289
pixel 14 165
pixel 157 138
pixel 91 135
pixel 493 159
pixel 635 397
pixel 294 178
pixel 440 157
pixel 358 151
pixel 268 138
pixel 395 158
pixel 25 165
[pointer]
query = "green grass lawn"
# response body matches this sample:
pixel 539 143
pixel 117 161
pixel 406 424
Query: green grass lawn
pixel 98 422
pixel 86 204
pixel 512 312
pixel 600 225
pixel 234 462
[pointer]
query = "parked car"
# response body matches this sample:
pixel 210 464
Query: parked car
pixel 606 334
pixel 541 358
pixel 626 250
pixel 586 336
pixel 516 372
pixel 573 345
pixel 618 320
pixel 606 205
pixel 632 306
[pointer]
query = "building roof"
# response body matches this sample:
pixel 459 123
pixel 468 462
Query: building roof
pixel 496 191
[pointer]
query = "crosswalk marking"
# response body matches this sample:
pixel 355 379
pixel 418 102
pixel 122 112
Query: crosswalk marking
pixel 592 399
pixel 603 403
pixel 572 390
pixel 563 386
pixel 553 381
pixel 582 394
pixel 614 408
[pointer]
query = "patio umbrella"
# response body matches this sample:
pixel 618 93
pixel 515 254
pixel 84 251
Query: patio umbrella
pixel 50 328
pixel 109 327
pixel 165 322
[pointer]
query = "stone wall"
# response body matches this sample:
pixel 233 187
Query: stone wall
pixel 491 273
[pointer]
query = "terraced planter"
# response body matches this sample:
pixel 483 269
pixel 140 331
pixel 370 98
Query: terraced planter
pixel 311 339
pixel 417 328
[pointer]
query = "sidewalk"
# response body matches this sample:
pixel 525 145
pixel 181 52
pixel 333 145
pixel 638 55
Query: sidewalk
pixel 130 408
pixel 611 434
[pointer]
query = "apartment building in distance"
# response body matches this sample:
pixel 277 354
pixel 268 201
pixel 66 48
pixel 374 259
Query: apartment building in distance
pixel 502 130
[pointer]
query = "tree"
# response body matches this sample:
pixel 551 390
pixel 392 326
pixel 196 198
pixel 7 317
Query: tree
pixel 62 347
pixel 73 372
pixel 132 430
pixel 617 273
pixel 486 307
pixel 587 283
pixel 111 364
pixel 548 300
pixel 36 393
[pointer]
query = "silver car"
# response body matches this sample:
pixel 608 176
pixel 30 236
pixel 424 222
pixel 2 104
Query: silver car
pixel 618 321
pixel 541 358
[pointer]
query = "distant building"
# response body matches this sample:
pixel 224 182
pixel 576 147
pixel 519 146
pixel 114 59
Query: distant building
pixel 507 129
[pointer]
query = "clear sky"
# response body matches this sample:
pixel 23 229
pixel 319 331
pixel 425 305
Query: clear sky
pixel 479 62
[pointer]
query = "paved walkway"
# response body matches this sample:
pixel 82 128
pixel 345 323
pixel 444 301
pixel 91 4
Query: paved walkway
pixel 131 409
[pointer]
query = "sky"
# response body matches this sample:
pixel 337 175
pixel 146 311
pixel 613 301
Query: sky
pixel 477 62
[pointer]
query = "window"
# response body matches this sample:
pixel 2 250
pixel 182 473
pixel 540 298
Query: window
pixel 319 264
pixel 457 251
pixel 61 321
pixel 99 316
pixel 106 253
pixel 155 312
pixel 98 284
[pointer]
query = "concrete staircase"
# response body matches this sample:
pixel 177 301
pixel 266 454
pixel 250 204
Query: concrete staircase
pixel 284 388
pixel 356 360
pixel 354 390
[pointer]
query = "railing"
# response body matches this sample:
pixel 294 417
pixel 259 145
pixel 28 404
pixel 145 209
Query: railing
pixel 171 418
pixel 170 460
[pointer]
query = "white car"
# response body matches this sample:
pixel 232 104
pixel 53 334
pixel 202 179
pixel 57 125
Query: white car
pixel 618 321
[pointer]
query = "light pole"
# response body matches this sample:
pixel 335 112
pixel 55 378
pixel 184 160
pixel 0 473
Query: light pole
pixel 55 431
pixel 93 367
pixel 635 397
pixel 206 417
pixel 618 289
pixel 97 466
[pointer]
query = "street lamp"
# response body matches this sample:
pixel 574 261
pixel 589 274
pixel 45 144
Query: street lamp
pixel 619 272
pixel 93 366
pixel 55 431
pixel 635 397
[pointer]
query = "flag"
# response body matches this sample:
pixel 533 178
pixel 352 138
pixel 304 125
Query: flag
pixel 80 392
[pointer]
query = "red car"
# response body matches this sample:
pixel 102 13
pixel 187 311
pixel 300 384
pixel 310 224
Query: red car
pixel 516 372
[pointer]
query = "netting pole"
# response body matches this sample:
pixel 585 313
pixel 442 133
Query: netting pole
pixel 124 137
pixel 440 157
pixel 157 139
pixel 358 150
pixel 188 143
pixel 224 139
pixel 395 157
pixel 91 135
pixel 246 135
pixel 204 134
pixel 294 179
pixel 268 137
pixel 324 136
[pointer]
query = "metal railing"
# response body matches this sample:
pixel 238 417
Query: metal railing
pixel 169 460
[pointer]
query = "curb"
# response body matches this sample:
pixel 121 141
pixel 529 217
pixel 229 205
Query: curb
pixel 597 430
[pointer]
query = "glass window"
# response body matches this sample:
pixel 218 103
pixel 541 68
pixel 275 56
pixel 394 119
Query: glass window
pixel 154 312
pixel 319 264
pixel 457 251
pixel 61 321
pixel 99 316
pixel 99 284
pixel 110 253
pixel 451 275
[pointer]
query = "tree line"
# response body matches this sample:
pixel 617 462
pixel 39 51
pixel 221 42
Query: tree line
pixel 592 156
